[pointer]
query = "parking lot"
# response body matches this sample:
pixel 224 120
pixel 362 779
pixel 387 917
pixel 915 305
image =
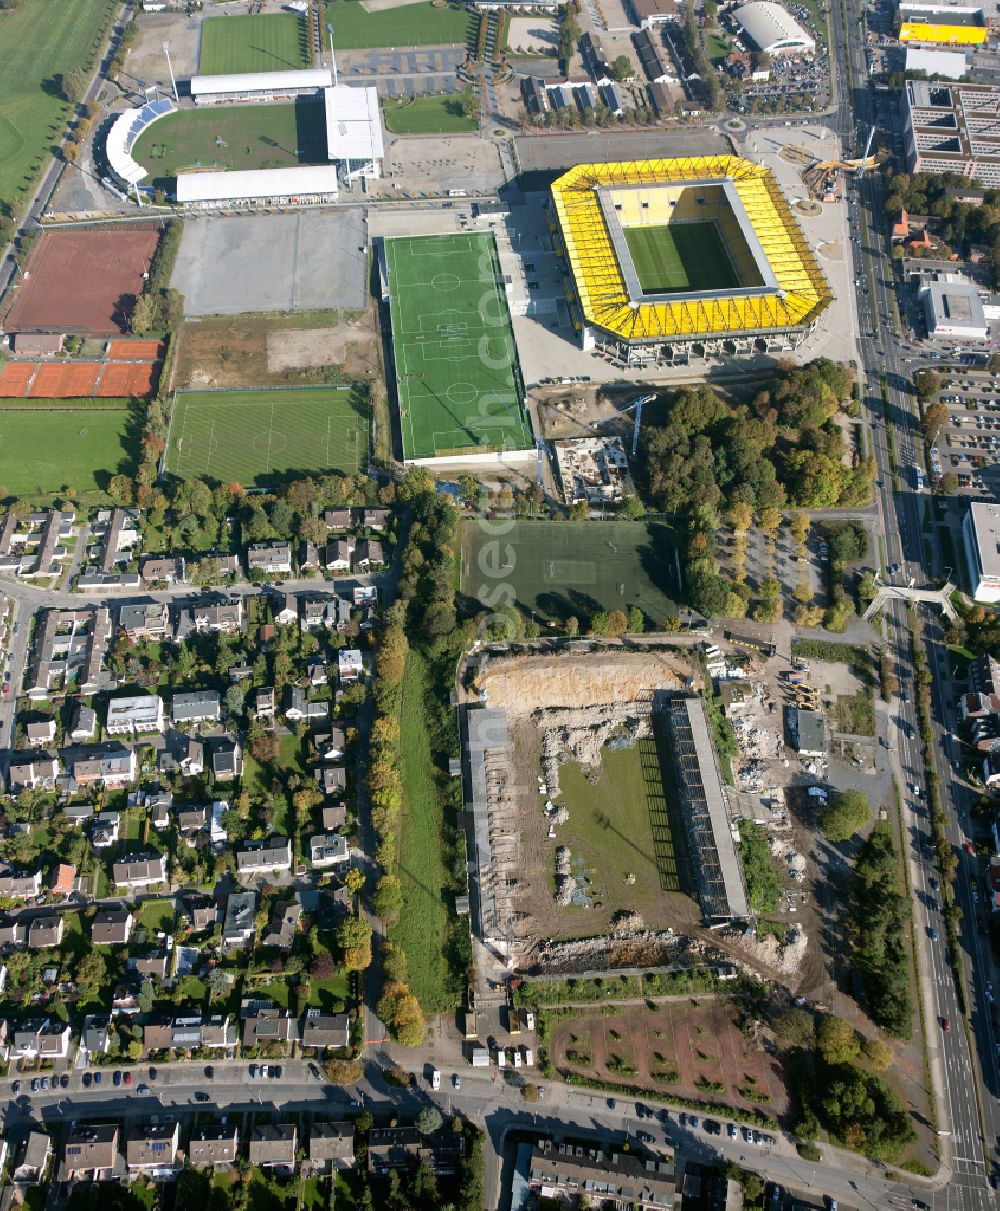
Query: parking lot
pixel 969 445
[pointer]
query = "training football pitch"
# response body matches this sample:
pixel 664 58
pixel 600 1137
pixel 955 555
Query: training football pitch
pixel 275 42
pixel 48 446
pixel 40 43
pixel 410 25
pixel 557 569
pixel 458 380
pixel 257 438
pixel 233 137
pixel 678 257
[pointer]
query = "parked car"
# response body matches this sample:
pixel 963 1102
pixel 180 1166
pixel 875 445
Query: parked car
pixel 946 1025
pixel 116 1080
pixel 201 1096
pixel 98 1078
pixel 128 1078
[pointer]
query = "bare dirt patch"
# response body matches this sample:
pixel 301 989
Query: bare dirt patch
pixel 292 349
pixel 686 1047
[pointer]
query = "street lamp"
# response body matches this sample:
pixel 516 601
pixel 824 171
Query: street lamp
pixel 170 69
pixel 333 59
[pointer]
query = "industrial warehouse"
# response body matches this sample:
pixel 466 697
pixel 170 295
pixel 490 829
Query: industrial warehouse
pixel 663 255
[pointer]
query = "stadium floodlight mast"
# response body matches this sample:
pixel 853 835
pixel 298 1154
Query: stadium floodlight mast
pixel 333 57
pixel 170 68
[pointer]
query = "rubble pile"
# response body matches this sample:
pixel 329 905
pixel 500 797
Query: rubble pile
pixel 565 883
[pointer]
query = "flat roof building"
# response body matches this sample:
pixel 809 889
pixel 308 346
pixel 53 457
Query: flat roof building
pixel 953 128
pixel 953 308
pixel 773 30
pixel 718 872
pixel 981 531
pixel 941 25
pixel 259 86
pixel 354 131
pixel 808 730
pixel 951 64
pixel 301 184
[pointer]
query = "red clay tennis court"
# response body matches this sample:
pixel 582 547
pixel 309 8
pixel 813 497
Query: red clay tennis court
pixel 83 281
pixel 152 351
pixel 123 378
pixel 14 378
pixel 65 380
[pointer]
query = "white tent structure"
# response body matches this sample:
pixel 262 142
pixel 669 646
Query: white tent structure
pixel 354 131
pixel 289 186
pixel 773 30
pixel 259 86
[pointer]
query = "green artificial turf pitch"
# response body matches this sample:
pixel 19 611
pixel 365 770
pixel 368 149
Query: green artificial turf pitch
pixel 272 42
pixel 41 42
pixel 44 449
pixel 411 25
pixel 429 116
pixel 680 257
pixel 557 569
pixel 457 377
pixel 257 438
pixel 233 137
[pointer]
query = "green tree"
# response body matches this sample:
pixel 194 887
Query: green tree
pixel 622 68
pixel 837 1040
pixel 354 880
pixel 145 996
pixel 387 901
pixel 935 418
pixel 235 699
pixel 355 940
pixel 927 383
pixel 429 1120
pixel 846 814
pixel 394 963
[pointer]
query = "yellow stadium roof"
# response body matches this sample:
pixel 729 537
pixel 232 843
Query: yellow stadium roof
pixel 799 292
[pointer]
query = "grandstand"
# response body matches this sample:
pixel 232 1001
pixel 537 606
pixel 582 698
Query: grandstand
pixel 260 86
pixel 125 129
pixel 668 256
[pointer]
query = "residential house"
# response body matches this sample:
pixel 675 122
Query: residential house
pixel 375 519
pixel 41 1038
pixel 84 724
pixel 282 927
pixel 189 1034
pixel 273 1146
pixel 317 670
pixel 328 849
pixel 258 857
pixel 349 665
pixel 214 1145
pixel 365 595
pixel 78 814
pixel 169 569
pixel 337 519
pixel 263 703
pixel 368 556
pixel 151 1149
pixel 90 1153
pixel 121 533
pixel 308 556
pixel 979 707
pixel 64 880
pixel 135 715
pixel 104 829
pixel 146 870
pixel 227 759
pixel 225 616
pixel 152 966
pixel 271 558
pixel 326 613
pixel 95 1038
pixel 266 1023
pixel 35 1158
pixel 201 706
pixel 20 884
pixel 148 620
pixel 332 780
pixel 190 822
pixel 289 611
pixel 45 932
pixel 30 773
pixel 112 926
pixel 41 731
pixel 337 555
pixel 111 767
pixel 214 569
pixel 331 745
pixel 240 672
pixel 181 754
pixel 237 926
pixel 202 913
pixel 334 816
pixel 70 646
pixel 398 1148
pixel 325 1031
pixel 298 707
pixel 566 1171
pixel 331 1146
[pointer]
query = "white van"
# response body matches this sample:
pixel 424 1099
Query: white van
pixel 435 1079
pixel 529 1057
pixel 501 1058
pixel 517 1057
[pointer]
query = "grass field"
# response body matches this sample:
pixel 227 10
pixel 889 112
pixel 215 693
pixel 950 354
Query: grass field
pixel 275 42
pixel 234 137
pixel 559 569
pixel 260 437
pixel 429 115
pixel 680 257
pixel 412 25
pixel 39 42
pixel 45 450
pixel 611 826
pixel 458 381
pixel 423 927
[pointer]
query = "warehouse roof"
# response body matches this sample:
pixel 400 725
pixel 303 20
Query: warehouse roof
pixel 770 28
pixel 951 64
pixel 302 181
pixel 261 81
pixel 353 125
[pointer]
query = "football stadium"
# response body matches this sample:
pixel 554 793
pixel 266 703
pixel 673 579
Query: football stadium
pixel 698 254
pixel 458 382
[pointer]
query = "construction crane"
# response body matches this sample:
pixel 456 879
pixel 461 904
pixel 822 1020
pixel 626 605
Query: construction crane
pixel 864 158
pixel 541 453
pixel 593 426
pixel 637 405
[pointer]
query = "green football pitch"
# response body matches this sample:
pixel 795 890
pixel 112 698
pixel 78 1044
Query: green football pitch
pixel 410 25
pixel 40 42
pixel 257 438
pixel 50 445
pixel 238 136
pixel 458 380
pixel 557 569
pixel 680 257
pixel 275 42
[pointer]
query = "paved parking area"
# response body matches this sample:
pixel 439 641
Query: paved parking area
pixel 288 262
pixel 969 445
pixel 403 73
